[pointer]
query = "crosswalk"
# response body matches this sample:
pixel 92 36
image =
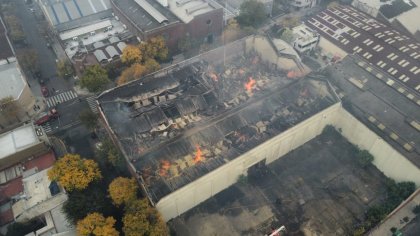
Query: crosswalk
pixel 47 127
pixel 61 97
pixel 92 104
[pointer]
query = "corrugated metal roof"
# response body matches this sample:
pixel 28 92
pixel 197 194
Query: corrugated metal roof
pixel 100 55
pixel 112 52
pixel 151 11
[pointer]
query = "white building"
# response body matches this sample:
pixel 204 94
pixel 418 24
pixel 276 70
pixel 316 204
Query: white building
pixel 303 3
pixel 305 39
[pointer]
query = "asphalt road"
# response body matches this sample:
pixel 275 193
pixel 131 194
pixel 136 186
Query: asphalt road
pixel 47 59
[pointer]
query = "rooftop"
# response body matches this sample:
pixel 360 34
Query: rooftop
pixel 12 80
pixel 407 19
pixel 6 50
pixel 355 32
pixel 19 139
pixel 62 11
pixel 178 127
pixel 328 201
pixel 146 14
pixel 186 10
pixel 386 108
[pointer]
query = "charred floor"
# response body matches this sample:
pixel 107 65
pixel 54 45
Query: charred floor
pixel 318 189
pixel 178 127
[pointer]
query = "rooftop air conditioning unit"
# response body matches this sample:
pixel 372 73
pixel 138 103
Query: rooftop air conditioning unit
pixel 75 38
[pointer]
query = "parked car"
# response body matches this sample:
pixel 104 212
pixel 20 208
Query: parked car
pixel 45 91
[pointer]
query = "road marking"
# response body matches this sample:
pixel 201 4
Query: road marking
pixel 60 98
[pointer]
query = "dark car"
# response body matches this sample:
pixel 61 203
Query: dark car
pixel 45 91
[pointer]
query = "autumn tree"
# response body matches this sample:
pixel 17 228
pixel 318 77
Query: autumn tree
pixel 95 79
pixel 96 224
pixel 232 31
pixel 64 68
pixel 252 13
pixel 141 219
pixel 131 54
pixel 154 48
pixel 29 59
pixel 15 28
pixel 290 21
pixel 123 190
pixel 9 108
pixel 74 173
pixel 133 72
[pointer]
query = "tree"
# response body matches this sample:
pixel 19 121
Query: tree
pixel 287 35
pixel 74 173
pixel 364 158
pixel 89 119
pixel 151 65
pixel 9 108
pixel 133 72
pixel 232 31
pixel 252 13
pixel 95 79
pixel 83 202
pixel 29 60
pixel 110 153
pixel 141 219
pixel 416 209
pixel 123 190
pixel 96 224
pixel 131 54
pixel 154 48
pixel 290 22
pixel 64 69
pixel 15 28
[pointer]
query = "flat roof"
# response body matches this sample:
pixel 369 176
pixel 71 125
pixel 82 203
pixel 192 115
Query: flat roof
pixel 161 122
pixel 379 44
pixel 17 140
pixel 6 50
pixel 85 29
pixel 186 10
pixel 63 11
pixel 408 18
pixel 148 16
pixel 12 81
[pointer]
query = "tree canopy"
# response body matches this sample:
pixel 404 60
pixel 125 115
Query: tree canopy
pixel 95 79
pixel 131 54
pixel 154 48
pixel 123 190
pixel 74 173
pixel 364 158
pixel 133 72
pixel 89 119
pixel 252 13
pixel 141 219
pixel 29 59
pixel 64 68
pixel 9 108
pixel 287 35
pixel 15 28
pixel 96 224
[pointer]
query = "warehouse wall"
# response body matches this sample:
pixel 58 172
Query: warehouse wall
pixel 223 177
pixel 387 159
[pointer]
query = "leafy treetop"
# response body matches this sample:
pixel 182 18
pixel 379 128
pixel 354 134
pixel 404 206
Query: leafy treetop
pixel 94 79
pixel 96 224
pixel 123 190
pixel 74 173
pixel 252 13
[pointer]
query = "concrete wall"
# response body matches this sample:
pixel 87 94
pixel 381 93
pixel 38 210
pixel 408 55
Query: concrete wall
pixel 208 185
pixel 264 48
pixel 387 159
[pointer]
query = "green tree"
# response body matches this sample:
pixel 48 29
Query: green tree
pixel 154 48
pixel 112 155
pixel 287 35
pixel 141 219
pixel 28 59
pixel 252 13
pixel 364 158
pixel 64 69
pixel 9 108
pixel 83 202
pixel 89 119
pixel 74 173
pixel 95 79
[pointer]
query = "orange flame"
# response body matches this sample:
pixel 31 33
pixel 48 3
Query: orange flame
pixel 250 84
pixel 198 155
pixel 214 77
pixel 294 74
pixel 164 167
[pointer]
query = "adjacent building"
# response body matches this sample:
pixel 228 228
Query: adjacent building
pixel 15 92
pixel 354 32
pixel 306 39
pixel 300 4
pixel 26 193
pixel 173 19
